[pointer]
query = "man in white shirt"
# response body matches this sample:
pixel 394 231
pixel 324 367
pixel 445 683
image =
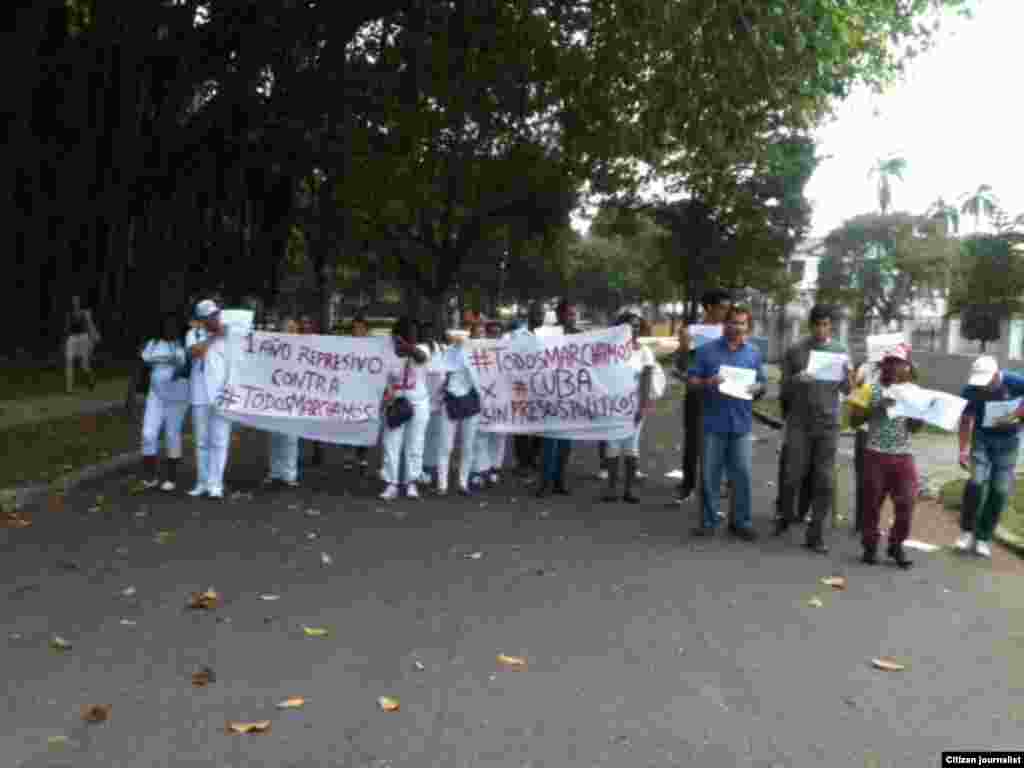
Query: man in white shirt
pixel 212 431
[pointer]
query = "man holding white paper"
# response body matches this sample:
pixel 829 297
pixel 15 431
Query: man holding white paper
pixel 729 373
pixel 815 371
pixel 989 441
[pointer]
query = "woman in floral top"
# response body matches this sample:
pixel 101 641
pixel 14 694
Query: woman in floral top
pixel 889 468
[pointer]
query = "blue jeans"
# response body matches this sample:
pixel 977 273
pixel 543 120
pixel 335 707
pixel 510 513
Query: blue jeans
pixel 993 463
pixel 734 452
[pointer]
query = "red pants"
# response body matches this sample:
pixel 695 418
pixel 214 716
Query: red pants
pixel 893 475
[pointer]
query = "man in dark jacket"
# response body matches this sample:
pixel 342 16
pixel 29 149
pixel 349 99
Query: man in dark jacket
pixel 811 405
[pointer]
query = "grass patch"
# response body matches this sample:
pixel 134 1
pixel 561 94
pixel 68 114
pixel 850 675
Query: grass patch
pixel 32 381
pixel 44 451
pixel 952 495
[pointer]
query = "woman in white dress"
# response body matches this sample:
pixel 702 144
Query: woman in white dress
pixel 166 404
pixel 407 381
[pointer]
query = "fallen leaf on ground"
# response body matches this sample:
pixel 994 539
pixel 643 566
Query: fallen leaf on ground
pixel 388 704
pixel 127 623
pixel 419 665
pixel 312 513
pixel 163 537
pixel 260 726
pixel 293 703
pixel 511 661
pixel 888 665
pixel 128 592
pixel 204 600
pixel 55 502
pixel 57 742
pixel 137 487
pixel 315 631
pixel 270 598
pixel 16 520
pixel 836 582
pixel 815 602
pixel 96 713
pixel 203 677
pixel 58 643
pixel 474 556
pixel 312 536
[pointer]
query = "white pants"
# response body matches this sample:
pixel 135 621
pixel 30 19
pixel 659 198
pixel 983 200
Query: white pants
pixel 407 439
pixel 432 441
pixel 284 457
pixel 627 446
pixel 168 415
pixel 467 429
pixel 213 438
pixel 489 451
pixel 77 347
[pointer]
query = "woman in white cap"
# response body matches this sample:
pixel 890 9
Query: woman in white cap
pixel 166 403
pixel 284 448
pixel 209 370
pixel 889 467
pixel 989 443
pixel 405 424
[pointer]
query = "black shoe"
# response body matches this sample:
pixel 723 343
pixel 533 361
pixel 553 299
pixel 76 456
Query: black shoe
pixel 746 534
pixel 542 491
pixel 870 556
pixel 781 525
pixel 562 489
pixel 702 532
pixel 629 498
pixel 818 546
pixel 897 554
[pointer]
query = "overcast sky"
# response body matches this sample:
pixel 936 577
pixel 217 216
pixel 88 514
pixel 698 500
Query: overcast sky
pixel 954 120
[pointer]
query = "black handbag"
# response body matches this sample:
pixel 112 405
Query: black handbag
pixel 399 410
pixel 463 407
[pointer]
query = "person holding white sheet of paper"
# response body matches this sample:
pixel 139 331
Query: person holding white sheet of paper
pixel 988 450
pixel 810 406
pixel 728 422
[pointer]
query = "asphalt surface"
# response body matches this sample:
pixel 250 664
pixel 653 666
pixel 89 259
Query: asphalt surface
pixel 642 647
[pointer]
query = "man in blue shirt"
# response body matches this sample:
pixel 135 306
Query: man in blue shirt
pixel 988 450
pixel 728 421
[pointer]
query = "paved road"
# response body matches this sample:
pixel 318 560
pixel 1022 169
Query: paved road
pixel 643 648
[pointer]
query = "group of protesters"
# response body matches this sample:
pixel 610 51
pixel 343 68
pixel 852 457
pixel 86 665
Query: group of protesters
pixel 418 440
pixel 718 432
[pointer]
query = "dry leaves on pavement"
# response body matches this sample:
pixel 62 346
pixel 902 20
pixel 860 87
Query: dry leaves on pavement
pixel 815 602
pixel 887 664
pixel 295 702
pixel 515 662
pixel 96 713
pixel 15 520
pixel 260 726
pixel 388 704
pixel 203 677
pixel 58 643
pixel 207 600
pixel 315 631
pixel 836 582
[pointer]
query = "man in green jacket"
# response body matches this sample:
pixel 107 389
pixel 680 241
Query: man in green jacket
pixel 810 404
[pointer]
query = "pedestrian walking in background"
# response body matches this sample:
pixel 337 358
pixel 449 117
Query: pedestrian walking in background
pixel 642 362
pixel 407 411
pixel 81 337
pixel 988 450
pixel 166 403
pixel 811 408
pixel 728 420
pixel 889 467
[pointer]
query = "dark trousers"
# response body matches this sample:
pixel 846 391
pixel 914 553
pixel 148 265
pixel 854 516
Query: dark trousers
pixel 528 451
pixel 859 446
pixel 895 476
pixel 810 452
pixel 556 456
pixel 803 505
pixel 693 433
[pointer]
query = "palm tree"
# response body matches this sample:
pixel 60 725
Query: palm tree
pixel 947 215
pixel 981 203
pixel 886 170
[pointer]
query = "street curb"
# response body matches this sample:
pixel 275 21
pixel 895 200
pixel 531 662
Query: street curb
pixel 29 494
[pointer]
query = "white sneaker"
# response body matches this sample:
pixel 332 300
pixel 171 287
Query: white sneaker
pixel 411 491
pixel 442 489
pixel 391 492
pixel 966 542
pixel 602 475
pixel 492 478
pixel 148 484
pixel 983 548
pixel 641 475
pixel 216 493
pixel 168 486
pixel 199 490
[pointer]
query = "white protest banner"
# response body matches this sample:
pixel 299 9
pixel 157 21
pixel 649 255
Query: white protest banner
pixel 239 319
pixel 326 388
pixel 879 346
pixel 549 330
pixel 577 387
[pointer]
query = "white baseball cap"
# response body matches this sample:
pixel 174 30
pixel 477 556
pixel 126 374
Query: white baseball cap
pixel 206 308
pixel 982 371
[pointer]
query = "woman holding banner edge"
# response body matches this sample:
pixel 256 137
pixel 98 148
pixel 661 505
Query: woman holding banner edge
pixel 404 434
pixel 284 448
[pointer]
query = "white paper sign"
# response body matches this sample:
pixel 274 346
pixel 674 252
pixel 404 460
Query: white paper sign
pixel 702 334
pixel 738 381
pixel 999 409
pixel 549 330
pixel 239 319
pixel 827 366
pixel 879 346
pixel 940 409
